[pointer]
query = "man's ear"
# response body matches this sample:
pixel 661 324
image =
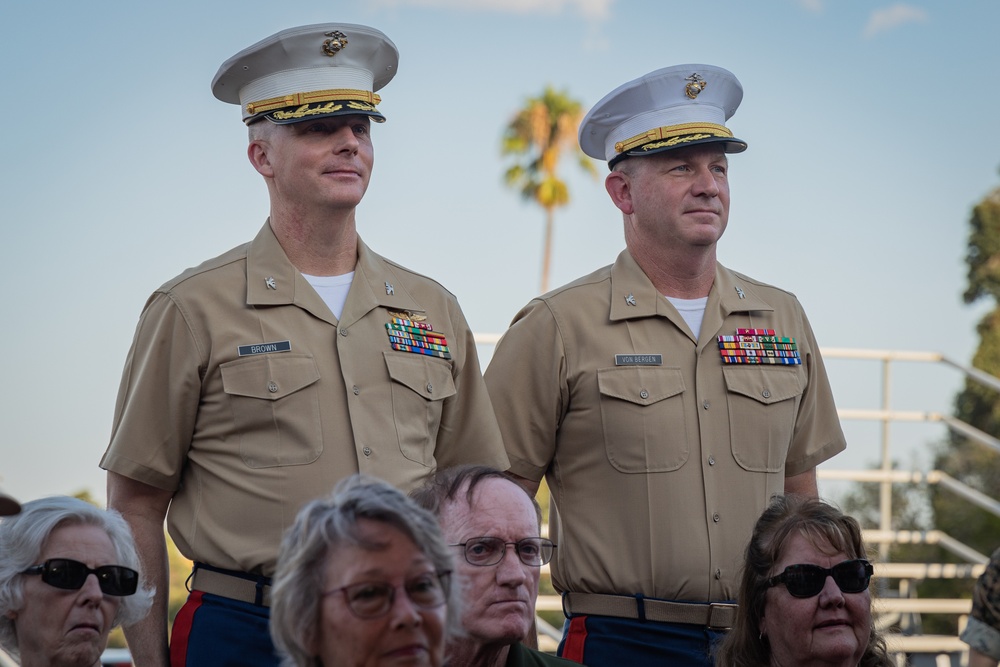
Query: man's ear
pixel 619 186
pixel 258 154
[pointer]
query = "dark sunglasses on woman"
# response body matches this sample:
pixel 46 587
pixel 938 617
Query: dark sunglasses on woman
pixel 70 575
pixel 805 581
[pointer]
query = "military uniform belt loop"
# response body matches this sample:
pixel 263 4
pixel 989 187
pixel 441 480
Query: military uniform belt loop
pixel 238 586
pixel 713 615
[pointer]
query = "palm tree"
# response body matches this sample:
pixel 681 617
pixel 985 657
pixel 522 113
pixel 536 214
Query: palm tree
pixel 537 136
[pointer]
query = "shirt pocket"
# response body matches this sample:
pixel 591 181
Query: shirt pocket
pixel 419 386
pixel 763 405
pixel 275 405
pixel 642 412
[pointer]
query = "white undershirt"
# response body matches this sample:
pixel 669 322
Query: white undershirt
pixel 692 310
pixel 332 289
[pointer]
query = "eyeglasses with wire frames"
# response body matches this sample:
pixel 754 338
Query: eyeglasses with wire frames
pixel 806 580
pixel 371 599
pixel 71 575
pixel 486 551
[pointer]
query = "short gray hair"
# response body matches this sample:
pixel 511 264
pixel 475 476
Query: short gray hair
pixel 322 527
pixel 443 487
pixel 23 536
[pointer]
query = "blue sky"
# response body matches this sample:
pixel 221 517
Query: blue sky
pixel 872 132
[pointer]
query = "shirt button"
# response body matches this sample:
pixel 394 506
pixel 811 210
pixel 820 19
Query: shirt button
pixel 718 574
pixel 705 404
pixel 716 517
pixel 272 387
pixel 765 394
pixel 643 394
pixel 357 390
pixel 367 451
pixel 430 388
pixel 711 460
pixel 343 332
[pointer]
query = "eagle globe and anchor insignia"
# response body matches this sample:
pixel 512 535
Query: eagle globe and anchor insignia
pixel 695 85
pixel 335 44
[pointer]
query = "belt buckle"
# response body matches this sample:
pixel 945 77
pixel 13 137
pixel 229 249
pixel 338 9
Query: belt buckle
pixel 717 615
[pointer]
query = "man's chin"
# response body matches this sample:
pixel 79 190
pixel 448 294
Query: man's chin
pixel 506 629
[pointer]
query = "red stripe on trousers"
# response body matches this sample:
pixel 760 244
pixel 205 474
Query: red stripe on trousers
pixel 576 637
pixel 182 630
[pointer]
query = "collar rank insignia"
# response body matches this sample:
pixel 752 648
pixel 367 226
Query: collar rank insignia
pixel 409 332
pixel 759 346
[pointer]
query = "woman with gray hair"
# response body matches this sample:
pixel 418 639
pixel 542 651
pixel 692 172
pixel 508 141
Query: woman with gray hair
pixel 363 579
pixel 52 612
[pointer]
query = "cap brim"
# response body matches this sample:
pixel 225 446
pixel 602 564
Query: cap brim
pixel 732 145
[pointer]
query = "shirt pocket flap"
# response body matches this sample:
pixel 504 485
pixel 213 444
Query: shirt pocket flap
pixel 426 376
pixel 269 377
pixel 765 385
pixel 640 385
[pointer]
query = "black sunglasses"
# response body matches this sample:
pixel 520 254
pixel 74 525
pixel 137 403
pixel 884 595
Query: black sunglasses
pixel 71 575
pixel 805 581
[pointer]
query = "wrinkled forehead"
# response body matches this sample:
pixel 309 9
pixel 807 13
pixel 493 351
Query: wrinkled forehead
pixel 498 506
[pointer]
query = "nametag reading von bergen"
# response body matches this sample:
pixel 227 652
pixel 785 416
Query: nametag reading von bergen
pixel 264 348
pixel 638 360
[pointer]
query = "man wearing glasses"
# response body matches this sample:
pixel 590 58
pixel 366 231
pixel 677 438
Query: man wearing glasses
pixel 493 526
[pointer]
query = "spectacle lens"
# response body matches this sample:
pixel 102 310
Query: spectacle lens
pixel 374 598
pixel 485 551
pixel 71 575
pixel 805 580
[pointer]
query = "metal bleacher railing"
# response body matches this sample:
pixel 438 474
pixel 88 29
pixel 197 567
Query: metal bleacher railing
pixel 896 603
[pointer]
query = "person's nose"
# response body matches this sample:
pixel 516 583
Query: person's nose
pixel 345 141
pixel 831 595
pixel 90 592
pixel 403 612
pixel 705 183
pixel 510 569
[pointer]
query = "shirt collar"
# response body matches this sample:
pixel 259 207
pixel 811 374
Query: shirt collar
pixel 273 280
pixel 633 294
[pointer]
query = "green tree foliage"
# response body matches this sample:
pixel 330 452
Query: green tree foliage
pixel 536 138
pixel 967 461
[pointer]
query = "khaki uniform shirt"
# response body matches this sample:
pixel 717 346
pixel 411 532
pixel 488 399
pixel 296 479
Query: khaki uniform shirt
pixel 657 472
pixel 244 434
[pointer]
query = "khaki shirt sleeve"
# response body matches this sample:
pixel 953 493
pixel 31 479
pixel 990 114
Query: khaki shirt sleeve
pixel 818 435
pixel 530 354
pixel 468 432
pixel 158 398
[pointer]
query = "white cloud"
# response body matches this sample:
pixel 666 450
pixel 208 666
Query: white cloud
pixel 594 10
pixel 811 5
pixel 883 20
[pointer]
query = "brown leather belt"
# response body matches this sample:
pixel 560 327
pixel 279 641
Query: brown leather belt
pixel 713 615
pixel 231 586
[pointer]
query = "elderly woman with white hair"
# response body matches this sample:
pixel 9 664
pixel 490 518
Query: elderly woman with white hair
pixel 52 611
pixel 363 579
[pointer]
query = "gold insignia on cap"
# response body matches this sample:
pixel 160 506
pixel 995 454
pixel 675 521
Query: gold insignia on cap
pixel 337 95
pixel 337 41
pixel 695 85
pixel 673 134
